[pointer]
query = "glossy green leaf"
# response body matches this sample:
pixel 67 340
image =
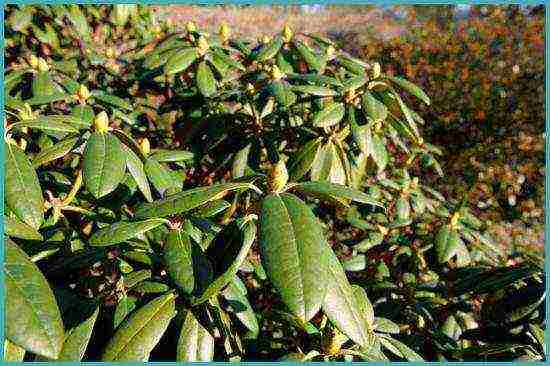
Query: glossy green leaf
pixel 17 229
pixel 309 56
pixel 23 191
pixel 322 164
pixel 178 258
pixel 292 247
pixel 365 306
pixel 329 190
pixel 411 88
pixel 447 242
pixel 180 61
pixel 49 123
pixel 187 200
pixel 104 164
pixel 240 162
pixel 282 93
pixel 124 307
pixel 236 242
pixel 404 350
pixel 136 169
pixel 329 115
pixel 228 60
pixel 319 91
pixel 304 159
pixel 385 326
pixel 33 320
pixel 150 287
pixel 373 108
pixel 170 156
pixel 205 80
pixel 236 295
pixel 138 335
pixel 195 343
pixel 77 339
pixel 269 50
pixel 112 100
pixel 354 83
pixel 342 306
pixel 122 231
pixel 158 175
pixel 378 152
pixel 56 151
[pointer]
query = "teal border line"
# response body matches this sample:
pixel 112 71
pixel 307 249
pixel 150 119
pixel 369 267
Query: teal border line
pixel 546 176
pixel 2 303
pixel 288 2
pixel 281 2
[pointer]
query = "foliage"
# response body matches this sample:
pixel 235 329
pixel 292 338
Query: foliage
pixel 195 197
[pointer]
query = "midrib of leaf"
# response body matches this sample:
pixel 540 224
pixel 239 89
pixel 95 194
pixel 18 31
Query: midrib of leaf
pixel 141 328
pixel 301 282
pixel 34 312
pixel 354 314
pixel 102 162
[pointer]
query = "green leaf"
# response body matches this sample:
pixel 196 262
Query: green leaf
pixel 136 169
pixel 104 164
pixel 319 91
pixel 23 191
pixel 112 100
pixel 187 200
pixel 59 123
pixel 170 156
pixel 385 326
pixel 373 108
pixel 181 61
pixel 240 162
pixel 18 229
pixel 235 243
pixel 33 320
pixel 12 352
pixel 56 151
pixel 150 287
pixel 322 164
pixel 136 277
pixel 447 242
pixel 137 336
pixel 327 190
pixel 178 258
pixel 365 306
pixel 282 93
pixel 221 56
pixel 269 50
pixel 124 307
pixel 304 159
pixel 354 83
pixel 77 339
pixel 378 152
pixel 293 254
pixel 329 115
pixel 404 351
pixel 195 343
pixel 236 295
pixel 158 175
pixel 402 209
pixel 122 231
pixel 411 88
pixel 309 56
pixel 211 209
pixel 205 80
pixel 342 306
pixel 43 85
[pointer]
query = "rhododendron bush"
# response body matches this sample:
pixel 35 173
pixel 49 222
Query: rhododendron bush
pixel 174 194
